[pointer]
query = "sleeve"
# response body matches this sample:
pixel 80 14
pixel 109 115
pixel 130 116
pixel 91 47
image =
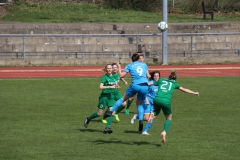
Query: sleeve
pixel 146 67
pixel 177 86
pixel 103 79
pixel 127 69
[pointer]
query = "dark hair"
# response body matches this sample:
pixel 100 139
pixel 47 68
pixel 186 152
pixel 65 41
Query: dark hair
pixel 113 64
pixel 135 57
pixel 173 75
pixel 152 74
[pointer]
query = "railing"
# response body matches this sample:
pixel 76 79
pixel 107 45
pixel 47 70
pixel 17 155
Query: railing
pixel 137 42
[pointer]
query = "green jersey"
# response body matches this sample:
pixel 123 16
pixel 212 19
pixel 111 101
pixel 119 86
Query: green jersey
pixel 166 88
pixel 117 76
pixel 108 81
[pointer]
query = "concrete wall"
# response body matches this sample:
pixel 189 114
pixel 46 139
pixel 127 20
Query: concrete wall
pixel 68 50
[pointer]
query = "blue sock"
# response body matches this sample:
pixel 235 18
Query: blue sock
pixel 140 113
pixel 148 126
pixel 117 104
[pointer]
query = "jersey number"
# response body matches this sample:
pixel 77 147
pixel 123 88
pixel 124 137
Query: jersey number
pixel 165 84
pixel 139 71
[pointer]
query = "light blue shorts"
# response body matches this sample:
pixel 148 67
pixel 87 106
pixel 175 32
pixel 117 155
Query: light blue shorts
pixel 139 89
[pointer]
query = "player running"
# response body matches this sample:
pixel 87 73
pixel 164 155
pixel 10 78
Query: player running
pixel 148 103
pixel 109 87
pixel 139 74
pixel 162 101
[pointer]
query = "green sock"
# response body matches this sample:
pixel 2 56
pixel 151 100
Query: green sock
pixel 167 125
pixel 119 109
pixel 129 102
pixel 109 121
pixel 94 115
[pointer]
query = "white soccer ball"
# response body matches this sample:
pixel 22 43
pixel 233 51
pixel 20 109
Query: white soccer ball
pixel 162 26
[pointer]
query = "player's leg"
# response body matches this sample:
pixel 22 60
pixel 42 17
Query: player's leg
pixel 101 105
pixel 92 116
pixel 130 92
pixel 119 110
pixel 129 102
pixel 142 92
pixel 147 116
pixel 168 114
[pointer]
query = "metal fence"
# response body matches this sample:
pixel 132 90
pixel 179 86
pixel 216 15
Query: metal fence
pixel 231 42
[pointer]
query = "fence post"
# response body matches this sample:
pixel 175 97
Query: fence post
pixel 137 43
pixel 83 46
pixel 24 56
pixel 191 45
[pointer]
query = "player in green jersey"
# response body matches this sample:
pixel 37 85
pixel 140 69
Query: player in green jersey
pixel 162 101
pixel 109 87
pixel 118 94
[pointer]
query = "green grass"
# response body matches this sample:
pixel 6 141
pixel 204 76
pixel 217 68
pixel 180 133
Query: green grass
pixel 43 119
pixel 82 12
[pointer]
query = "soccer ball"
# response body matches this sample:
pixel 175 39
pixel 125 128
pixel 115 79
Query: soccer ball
pixel 162 26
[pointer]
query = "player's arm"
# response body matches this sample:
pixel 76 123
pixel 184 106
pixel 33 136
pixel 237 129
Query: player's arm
pixel 148 75
pixel 188 91
pixel 124 81
pixel 107 87
pixel 122 74
pixel 147 101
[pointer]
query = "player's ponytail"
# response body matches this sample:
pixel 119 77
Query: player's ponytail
pixel 173 75
pixel 136 55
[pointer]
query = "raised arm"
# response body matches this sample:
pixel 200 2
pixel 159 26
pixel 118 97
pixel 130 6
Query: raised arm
pixel 122 74
pixel 188 91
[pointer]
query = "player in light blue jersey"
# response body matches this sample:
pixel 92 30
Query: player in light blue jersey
pixel 148 103
pixel 139 74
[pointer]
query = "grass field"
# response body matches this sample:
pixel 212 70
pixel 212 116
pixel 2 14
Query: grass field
pixel 83 12
pixel 43 119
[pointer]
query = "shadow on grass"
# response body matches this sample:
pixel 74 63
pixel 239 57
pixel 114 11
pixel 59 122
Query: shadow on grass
pixel 131 131
pixel 89 130
pixel 115 141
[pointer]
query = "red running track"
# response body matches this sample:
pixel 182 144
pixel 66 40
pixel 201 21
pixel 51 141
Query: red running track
pixel 95 71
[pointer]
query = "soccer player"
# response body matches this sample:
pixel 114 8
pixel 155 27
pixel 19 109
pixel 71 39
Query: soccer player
pixel 162 101
pixel 130 100
pixel 118 94
pixel 139 74
pixel 109 87
pixel 148 103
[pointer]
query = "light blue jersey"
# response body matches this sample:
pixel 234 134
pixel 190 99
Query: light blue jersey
pixel 138 72
pixel 152 92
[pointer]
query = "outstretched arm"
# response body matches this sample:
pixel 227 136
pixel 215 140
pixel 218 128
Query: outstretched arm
pixel 188 91
pixel 122 74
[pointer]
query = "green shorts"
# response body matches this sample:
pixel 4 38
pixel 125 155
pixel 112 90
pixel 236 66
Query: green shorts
pixel 117 95
pixel 164 104
pixel 105 99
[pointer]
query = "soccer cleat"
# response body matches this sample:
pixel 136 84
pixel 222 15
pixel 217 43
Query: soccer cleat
pixel 127 111
pixel 163 135
pixel 116 117
pixel 104 121
pixel 108 114
pixel 145 133
pixel 86 122
pixel 107 130
pixel 140 127
pixel 134 118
